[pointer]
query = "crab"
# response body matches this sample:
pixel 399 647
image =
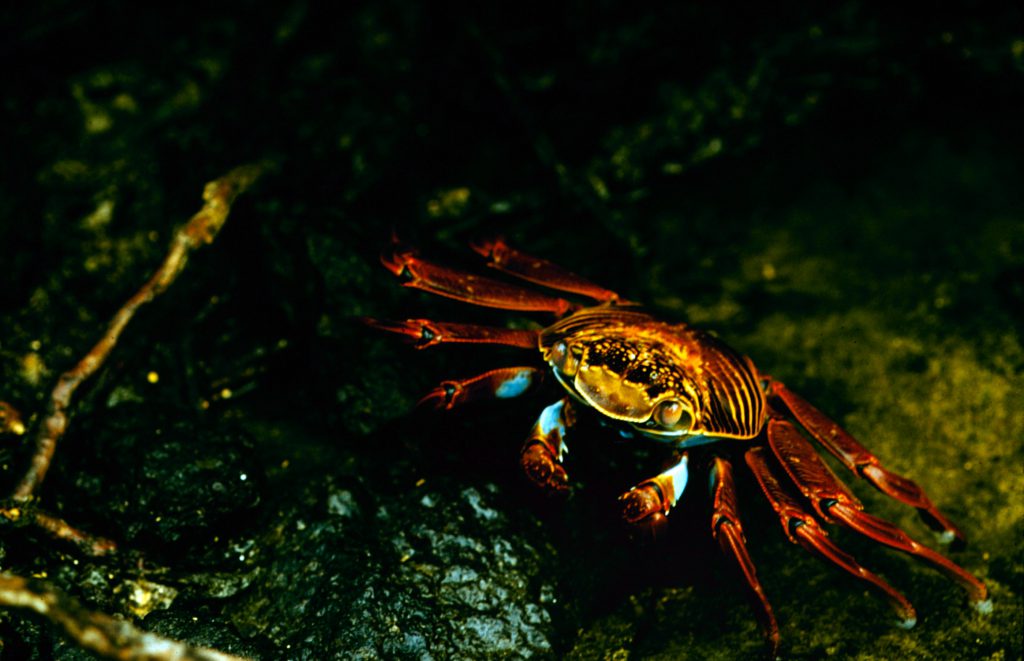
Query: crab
pixel 683 387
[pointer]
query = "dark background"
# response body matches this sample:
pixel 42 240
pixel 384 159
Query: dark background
pixel 836 192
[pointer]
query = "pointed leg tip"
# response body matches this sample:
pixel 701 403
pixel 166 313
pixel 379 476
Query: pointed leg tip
pixel 391 262
pixel 440 399
pixel 983 606
pixel 373 322
pixel 484 247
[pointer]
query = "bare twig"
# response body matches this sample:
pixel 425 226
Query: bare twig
pixel 101 633
pixel 201 229
pixel 18 515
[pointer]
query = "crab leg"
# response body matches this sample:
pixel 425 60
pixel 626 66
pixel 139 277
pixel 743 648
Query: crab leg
pixel 541 457
pixel 539 271
pixel 425 333
pixel 649 502
pixel 861 461
pixel 834 502
pixel 802 528
pixel 478 290
pixel 727 529
pixel 502 383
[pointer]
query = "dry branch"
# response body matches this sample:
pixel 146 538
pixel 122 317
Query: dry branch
pixel 201 229
pixel 25 514
pixel 98 632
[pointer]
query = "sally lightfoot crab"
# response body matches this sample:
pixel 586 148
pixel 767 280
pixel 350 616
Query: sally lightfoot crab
pixel 674 384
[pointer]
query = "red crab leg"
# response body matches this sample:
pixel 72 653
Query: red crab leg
pixel 425 333
pixel 478 290
pixel 802 528
pixel 502 383
pixel 834 502
pixel 648 503
pixel 728 530
pixel 539 271
pixel 542 454
pixel 861 461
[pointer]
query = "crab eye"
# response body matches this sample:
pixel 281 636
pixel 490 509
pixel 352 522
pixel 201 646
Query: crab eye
pixel 564 358
pixel 670 414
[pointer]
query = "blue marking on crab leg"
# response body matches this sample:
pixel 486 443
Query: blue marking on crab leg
pixel 680 475
pixel 551 417
pixel 515 386
pixel 551 422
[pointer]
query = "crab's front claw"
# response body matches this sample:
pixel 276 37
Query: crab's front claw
pixel 542 467
pixel 644 504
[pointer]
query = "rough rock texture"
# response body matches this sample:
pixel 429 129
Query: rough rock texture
pixel 442 576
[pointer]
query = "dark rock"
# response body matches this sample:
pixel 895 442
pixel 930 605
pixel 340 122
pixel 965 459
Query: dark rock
pixel 159 477
pixel 436 573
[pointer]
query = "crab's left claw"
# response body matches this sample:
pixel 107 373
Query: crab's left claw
pixel 541 456
pixel 542 467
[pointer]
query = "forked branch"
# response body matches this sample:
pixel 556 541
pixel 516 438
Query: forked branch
pixel 98 632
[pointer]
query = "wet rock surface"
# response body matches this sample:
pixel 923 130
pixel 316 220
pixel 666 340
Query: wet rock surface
pixel 835 195
pixel 445 576
pixel 163 479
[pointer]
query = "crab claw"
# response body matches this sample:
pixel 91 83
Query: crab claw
pixel 644 508
pixel 542 468
pixel 647 504
pixel 643 502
